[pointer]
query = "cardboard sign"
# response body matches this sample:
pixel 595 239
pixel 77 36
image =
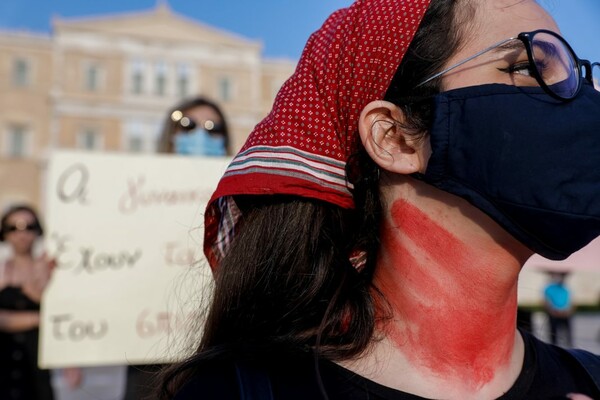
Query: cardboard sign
pixel 126 232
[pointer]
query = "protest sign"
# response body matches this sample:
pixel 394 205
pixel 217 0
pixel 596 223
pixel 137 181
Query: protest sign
pixel 126 232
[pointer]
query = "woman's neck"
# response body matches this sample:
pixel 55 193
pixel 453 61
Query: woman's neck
pixel 17 270
pixel 453 302
pixel 20 259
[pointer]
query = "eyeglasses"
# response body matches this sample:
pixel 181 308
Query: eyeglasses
pixel 550 60
pixel 32 227
pixel 187 124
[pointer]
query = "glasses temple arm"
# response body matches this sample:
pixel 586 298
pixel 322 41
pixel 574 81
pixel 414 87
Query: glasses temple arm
pixel 492 47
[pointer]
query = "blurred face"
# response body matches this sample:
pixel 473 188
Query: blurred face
pixel 557 277
pixel 497 20
pixel 20 231
pixel 200 132
pixel 202 115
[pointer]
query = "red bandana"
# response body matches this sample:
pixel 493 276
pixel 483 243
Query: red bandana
pixel 302 146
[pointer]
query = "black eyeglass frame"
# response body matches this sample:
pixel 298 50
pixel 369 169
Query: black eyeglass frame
pixel 527 39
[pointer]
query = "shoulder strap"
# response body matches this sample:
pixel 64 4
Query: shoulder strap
pixel 590 362
pixel 254 383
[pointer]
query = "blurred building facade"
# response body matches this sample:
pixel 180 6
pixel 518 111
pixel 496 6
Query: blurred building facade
pixel 105 83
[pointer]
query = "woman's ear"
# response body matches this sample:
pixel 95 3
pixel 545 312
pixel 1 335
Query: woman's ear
pixel 387 143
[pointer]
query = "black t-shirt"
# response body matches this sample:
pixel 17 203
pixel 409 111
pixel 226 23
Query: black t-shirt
pixel 549 372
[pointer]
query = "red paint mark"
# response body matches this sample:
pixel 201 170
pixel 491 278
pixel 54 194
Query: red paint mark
pixel 445 298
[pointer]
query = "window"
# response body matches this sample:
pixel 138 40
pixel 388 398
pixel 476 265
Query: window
pixel 89 139
pixel 134 140
pixel 183 80
pixel 21 73
pixel 160 86
pixel 92 76
pixel 225 89
pixel 137 77
pixel 136 144
pixel 17 141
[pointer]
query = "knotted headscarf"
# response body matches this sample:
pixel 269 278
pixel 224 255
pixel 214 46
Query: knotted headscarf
pixel 302 146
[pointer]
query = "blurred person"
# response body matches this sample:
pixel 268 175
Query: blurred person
pixel 195 127
pixel 367 240
pixel 559 308
pixel 23 279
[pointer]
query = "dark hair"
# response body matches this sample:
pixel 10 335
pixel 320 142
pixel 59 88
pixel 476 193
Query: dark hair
pixel 287 285
pixel 170 127
pixel 17 208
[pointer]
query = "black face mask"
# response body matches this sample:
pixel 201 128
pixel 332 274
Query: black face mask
pixel 529 162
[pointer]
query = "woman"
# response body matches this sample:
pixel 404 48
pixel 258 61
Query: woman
pixel 22 282
pixel 366 241
pixel 195 127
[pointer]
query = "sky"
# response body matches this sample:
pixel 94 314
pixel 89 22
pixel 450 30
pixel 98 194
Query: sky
pixel 283 26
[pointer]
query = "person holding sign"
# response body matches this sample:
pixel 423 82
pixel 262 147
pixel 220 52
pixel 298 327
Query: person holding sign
pixel 23 279
pixel 367 240
pixel 195 127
